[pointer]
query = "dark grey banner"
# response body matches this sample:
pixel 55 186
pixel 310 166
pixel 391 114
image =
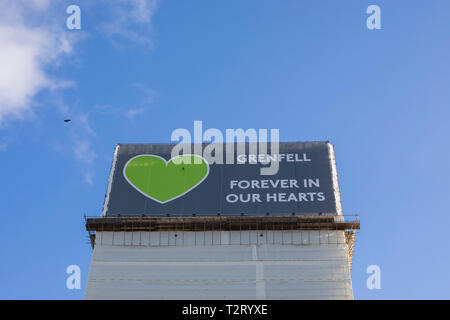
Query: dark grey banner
pixel 146 180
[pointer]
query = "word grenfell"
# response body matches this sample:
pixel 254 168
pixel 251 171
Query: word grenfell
pixel 265 158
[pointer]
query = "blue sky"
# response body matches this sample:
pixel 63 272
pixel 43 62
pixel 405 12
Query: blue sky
pixel 138 69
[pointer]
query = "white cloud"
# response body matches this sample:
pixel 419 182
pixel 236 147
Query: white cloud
pixel 131 20
pixel 148 97
pixel 83 151
pixel 131 113
pixel 88 178
pixel 40 4
pixel 147 94
pixel 85 155
pixel 82 136
pixel 25 52
pixel 33 38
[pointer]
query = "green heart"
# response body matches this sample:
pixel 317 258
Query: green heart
pixel 163 180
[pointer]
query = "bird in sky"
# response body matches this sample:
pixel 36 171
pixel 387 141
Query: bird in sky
pixel 67 120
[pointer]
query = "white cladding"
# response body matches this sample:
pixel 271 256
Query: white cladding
pixel 220 265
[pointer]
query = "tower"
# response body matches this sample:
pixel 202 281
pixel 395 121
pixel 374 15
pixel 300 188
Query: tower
pixel 188 228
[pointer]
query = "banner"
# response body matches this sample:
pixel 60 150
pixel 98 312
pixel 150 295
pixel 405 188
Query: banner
pixel 146 179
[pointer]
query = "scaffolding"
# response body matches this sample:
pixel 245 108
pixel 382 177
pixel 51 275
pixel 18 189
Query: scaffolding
pixel 220 223
pixel 258 230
